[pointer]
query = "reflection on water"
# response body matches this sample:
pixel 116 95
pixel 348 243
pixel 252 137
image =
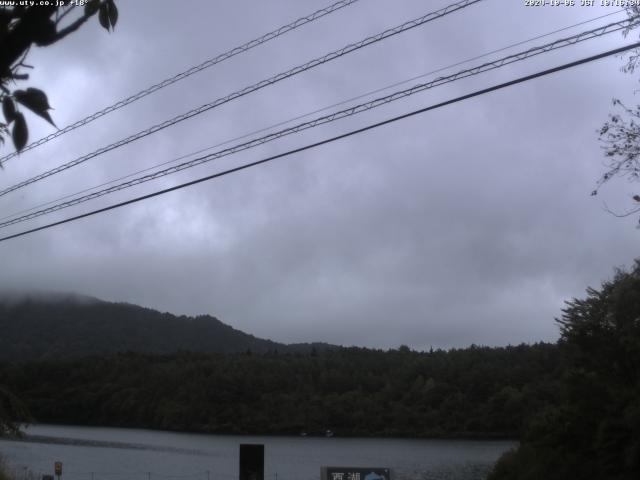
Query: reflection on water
pixel 79 442
pixel 90 453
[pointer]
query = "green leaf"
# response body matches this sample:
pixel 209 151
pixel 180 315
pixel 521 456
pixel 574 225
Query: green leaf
pixel 113 13
pixel 20 132
pixel 36 101
pixel 103 16
pixel 91 7
pixel 9 109
pixel 33 97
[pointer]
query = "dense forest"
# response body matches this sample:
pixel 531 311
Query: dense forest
pixel 351 391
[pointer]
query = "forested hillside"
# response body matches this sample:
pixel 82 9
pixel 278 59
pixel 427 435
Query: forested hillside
pixel 474 392
pixel 60 326
pixel 574 405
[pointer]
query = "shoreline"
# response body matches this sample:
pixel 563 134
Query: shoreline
pixel 453 437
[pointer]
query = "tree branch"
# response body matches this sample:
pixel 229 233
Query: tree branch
pixel 621 215
pixel 64 14
pixel 72 27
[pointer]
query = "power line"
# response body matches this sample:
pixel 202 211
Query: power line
pixel 245 91
pixel 516 57
pixel 333 139
pixel 308 114
pixel 182 75
pixel 298 117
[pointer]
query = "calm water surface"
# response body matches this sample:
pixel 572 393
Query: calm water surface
pixel 90 453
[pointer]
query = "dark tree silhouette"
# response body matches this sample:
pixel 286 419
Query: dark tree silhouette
pixel 12 411
pixel 23 26
pixel 593 432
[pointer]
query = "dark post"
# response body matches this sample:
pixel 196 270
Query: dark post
pixel 251 462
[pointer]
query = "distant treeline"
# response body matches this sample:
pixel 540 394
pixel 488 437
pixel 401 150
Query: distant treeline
pixel 471 392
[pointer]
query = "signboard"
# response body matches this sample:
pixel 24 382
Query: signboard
pixel 251 461
pixel 58 468
pixel 355 473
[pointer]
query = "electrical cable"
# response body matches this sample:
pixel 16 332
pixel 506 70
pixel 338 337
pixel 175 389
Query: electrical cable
pixel 332 139
pixel 308 114
pixel 182 75
pixel 247 90
pixel 561 43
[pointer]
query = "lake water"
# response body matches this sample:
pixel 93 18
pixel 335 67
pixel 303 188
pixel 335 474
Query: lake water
pixel 90 453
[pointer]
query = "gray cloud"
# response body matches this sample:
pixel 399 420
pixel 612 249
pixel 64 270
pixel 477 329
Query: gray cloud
pixel 469 224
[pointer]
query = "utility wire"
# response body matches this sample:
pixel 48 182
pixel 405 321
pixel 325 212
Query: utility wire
pixel 182 75
pixel 561 43
pixel 252 88
pixel 308 114
pixel 333 139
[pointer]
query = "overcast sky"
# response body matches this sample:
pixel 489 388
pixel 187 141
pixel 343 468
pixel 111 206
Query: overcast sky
pixel 467 224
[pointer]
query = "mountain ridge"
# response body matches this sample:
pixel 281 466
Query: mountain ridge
pixel 46 325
